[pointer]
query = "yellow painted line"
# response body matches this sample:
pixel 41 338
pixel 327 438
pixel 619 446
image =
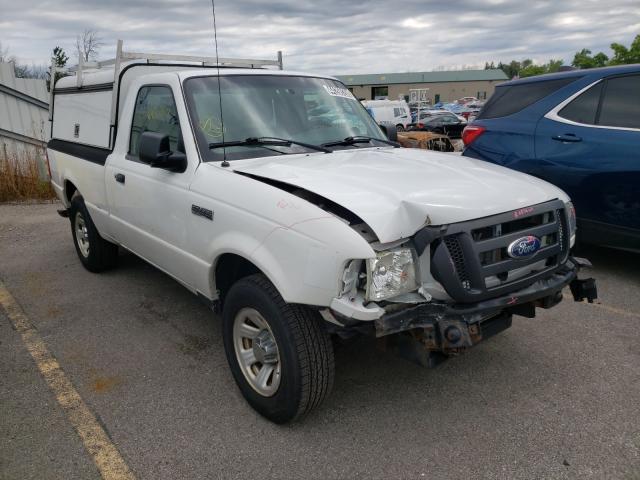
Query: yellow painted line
pixel 619 311
pixel 104 453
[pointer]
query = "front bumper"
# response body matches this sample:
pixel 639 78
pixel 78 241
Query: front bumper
pixel 544 293
pixel 431 331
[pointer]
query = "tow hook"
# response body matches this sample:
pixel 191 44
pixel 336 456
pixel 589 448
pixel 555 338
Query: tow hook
pixel 585 288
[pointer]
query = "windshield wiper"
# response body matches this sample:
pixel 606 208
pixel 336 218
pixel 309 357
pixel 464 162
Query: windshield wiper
pixel 268 141
pixel 358 139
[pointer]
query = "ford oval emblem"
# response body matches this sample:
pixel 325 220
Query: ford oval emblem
pixel 524 247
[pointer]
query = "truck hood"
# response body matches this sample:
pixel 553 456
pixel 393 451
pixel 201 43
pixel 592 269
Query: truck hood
pixel 397 191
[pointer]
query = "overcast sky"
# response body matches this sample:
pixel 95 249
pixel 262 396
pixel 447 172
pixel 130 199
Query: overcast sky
pixel 361 36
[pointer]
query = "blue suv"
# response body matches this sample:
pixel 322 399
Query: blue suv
pixel 579 130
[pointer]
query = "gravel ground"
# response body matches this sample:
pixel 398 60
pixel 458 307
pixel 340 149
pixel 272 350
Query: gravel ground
pixel 554 397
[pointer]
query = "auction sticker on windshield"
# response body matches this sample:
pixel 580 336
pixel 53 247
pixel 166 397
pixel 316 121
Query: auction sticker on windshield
pixel 338 92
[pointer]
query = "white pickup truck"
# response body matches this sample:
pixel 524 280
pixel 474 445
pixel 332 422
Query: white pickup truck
pixel 277 199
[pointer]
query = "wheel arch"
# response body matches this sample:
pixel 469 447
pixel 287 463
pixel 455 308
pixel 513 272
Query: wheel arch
pixel 229 267
pixel 69 190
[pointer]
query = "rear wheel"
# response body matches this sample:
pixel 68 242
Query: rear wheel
pixel 279 354
pixel 95 253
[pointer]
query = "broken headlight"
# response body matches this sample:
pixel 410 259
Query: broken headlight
pixel 391 273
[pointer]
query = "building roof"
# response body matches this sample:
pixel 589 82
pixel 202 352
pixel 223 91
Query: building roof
pixel 423 77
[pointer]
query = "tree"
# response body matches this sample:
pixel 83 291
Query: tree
pixel 583 59
pixel 527 68
pixel 623 55
pixel 60 59
pixel 532 70
pixel 88 45
pixel 554 65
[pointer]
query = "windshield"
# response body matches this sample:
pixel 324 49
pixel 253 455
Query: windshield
pixel 302 109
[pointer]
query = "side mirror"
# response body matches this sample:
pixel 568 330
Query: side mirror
pixel 390 130
pixel 154 149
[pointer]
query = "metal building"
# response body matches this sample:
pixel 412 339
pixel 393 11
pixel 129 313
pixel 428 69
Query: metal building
pixel 444 86
pixel 24 116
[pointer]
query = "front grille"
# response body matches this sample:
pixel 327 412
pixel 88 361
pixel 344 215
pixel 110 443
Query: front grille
pixel 472 260
pixel 457 255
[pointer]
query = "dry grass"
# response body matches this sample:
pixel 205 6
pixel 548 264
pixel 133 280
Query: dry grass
pixel 20 181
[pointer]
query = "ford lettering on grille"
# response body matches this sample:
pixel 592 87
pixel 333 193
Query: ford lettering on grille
pixel 524 247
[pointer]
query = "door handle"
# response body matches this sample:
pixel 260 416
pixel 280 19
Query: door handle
pixel 567 138
pixel 119 177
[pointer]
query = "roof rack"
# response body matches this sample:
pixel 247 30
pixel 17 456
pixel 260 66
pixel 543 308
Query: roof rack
pixel 122 56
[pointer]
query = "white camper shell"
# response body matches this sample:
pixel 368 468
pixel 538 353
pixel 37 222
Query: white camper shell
pixel 296 217
pixel 85 106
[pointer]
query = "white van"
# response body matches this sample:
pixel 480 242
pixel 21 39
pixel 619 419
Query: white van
pixel 394 111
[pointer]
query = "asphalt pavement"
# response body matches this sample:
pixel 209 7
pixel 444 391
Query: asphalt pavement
pixel 553 397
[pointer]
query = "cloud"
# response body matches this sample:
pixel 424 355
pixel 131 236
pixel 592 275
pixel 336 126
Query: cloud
pixel 329 37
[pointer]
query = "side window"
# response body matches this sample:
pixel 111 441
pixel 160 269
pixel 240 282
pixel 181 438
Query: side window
pixel 155 111
pixel 510 99
pixel 584 107
pixel 379 92
pixel 621 103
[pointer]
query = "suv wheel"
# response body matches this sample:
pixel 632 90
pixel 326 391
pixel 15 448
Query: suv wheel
pixel 280 355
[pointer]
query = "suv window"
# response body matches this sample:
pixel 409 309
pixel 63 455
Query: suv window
pixel 511 99
pixel 155 111
pixel 398 112
pixel 584 107
pixel 621 103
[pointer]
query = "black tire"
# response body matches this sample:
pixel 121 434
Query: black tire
pixel 305 350
pixel 400 128
pixel 101 254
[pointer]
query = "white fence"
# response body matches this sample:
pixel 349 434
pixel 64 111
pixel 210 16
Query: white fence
pixel 24 123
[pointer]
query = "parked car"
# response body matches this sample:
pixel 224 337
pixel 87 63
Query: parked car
pixel 425 114
pixel 465 100
pixel 460 109
pixel 444 123
pixel 421 106
pixel 296 226
pixel 477 105
pixel 394 111
pixel 579 130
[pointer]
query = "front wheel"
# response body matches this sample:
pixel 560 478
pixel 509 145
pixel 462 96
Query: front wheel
pixel 400 128
pixel 279 354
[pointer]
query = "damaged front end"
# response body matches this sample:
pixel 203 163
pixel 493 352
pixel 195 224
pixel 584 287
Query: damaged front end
pixel 429 333
pixel 454 286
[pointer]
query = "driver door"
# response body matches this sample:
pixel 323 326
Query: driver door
pixel 150 206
